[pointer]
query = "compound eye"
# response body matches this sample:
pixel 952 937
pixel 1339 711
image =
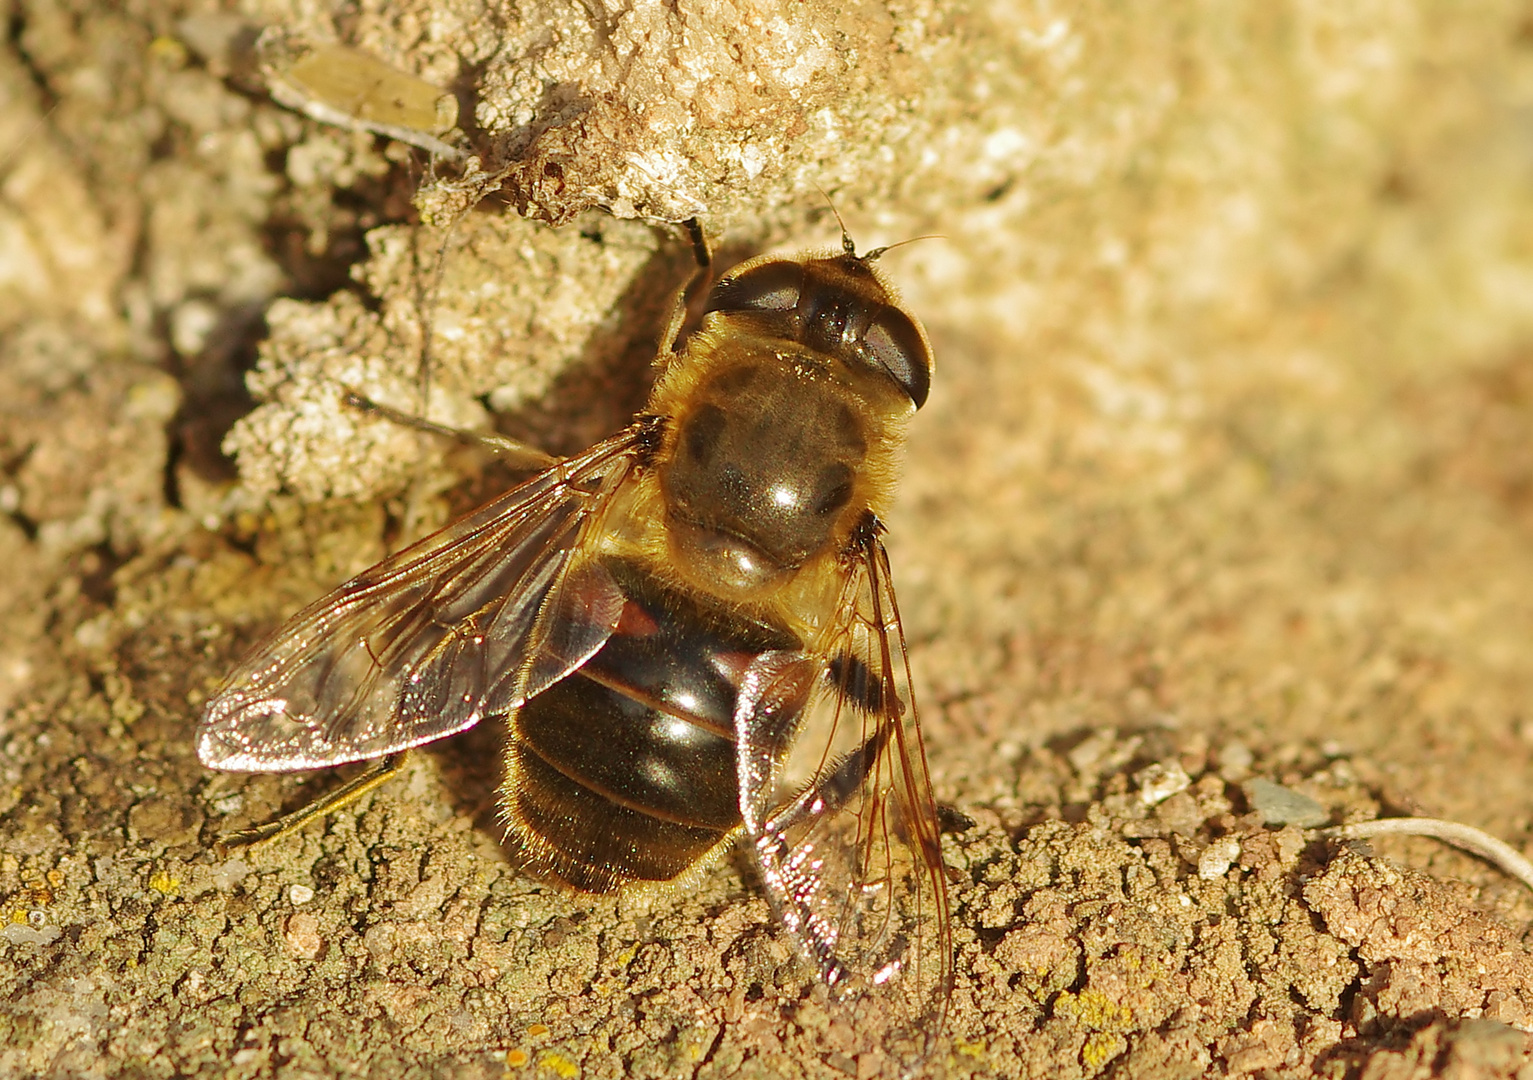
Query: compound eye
pixel 772 286
pixel 896 345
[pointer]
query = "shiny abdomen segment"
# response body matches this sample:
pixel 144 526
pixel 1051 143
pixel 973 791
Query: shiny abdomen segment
pixel 625 771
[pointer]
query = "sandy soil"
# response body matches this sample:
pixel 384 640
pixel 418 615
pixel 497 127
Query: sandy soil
pixel 1216 528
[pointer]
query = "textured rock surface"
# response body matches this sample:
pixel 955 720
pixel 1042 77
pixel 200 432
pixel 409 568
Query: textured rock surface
pixel 1225 476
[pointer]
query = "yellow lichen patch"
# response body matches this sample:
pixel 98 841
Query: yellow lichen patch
pixel 559 1065
pixel 163 883
pixel 1101 1047
pixel 1118 996
pixel 1095 1010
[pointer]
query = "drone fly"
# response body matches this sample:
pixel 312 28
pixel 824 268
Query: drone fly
pixel 689 631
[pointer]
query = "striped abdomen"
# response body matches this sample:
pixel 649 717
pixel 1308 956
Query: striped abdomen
pixel 625 771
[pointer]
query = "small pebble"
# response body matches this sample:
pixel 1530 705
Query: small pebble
pixel 1278 805
pixel 1091 749
pixel 19 934
pixel 1217 858
pixel 303 938
pixel 1235 761
pixel 1159 782
pixel 300 894
pixel 227 875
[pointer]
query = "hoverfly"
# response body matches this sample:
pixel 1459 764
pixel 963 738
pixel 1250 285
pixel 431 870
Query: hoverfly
pixel 689 631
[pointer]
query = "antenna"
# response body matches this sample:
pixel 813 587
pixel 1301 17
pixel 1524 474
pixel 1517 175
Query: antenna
pixel 850 247
pixel 876 252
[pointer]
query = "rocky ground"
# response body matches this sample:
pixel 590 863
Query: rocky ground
pixel 1216 529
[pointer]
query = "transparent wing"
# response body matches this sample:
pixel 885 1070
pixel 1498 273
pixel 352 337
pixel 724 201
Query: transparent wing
pixel 434 638
pixel 840 816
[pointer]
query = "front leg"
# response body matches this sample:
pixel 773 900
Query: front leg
pixel 518 454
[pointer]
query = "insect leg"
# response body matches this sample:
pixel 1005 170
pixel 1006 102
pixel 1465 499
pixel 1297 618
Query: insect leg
pixel 323 806
pixel 835 788
pixel 519 453
pixel 695 287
